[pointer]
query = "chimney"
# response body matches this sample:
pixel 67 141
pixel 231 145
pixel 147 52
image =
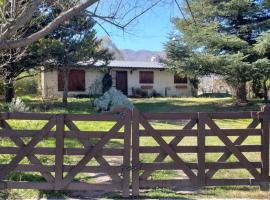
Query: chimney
pixel 154 59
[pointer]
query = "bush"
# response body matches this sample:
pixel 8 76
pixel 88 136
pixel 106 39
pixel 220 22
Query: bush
pixel 17 105
pixel 215 95
pixel 81 96
pixel 26 86
pixel 139 93
pixel 155 94
pixel 95 90
pixel 2 88
pixel 112 99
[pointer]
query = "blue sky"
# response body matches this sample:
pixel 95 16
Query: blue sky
pixel 149 32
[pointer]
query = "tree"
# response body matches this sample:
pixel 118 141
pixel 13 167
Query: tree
pixel 262 47
pixel 17 14
pixel 221 35
pixel 73 41
pixel 24 59
pixel 20 60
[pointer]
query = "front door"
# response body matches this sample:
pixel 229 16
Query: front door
pixel 121 81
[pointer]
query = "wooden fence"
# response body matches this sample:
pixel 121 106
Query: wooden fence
pixel 61 176
pixel 133 127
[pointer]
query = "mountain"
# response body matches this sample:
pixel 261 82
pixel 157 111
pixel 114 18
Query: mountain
pixel 142 55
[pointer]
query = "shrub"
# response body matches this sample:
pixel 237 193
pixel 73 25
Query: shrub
pixel 95 89
pixel 139 93
pixel 112 99
pixel 26 86
pixel 155 94
pixel 17 105
pixel 215 95
pixel 2 88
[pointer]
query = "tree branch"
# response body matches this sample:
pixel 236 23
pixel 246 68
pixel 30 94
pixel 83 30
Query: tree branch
pixel 12 26
pixel 11 44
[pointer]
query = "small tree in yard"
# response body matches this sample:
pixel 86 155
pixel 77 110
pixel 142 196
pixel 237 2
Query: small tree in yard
pixel 73 41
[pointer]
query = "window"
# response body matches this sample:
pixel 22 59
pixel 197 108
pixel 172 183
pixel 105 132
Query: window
pixel 76 80
pixel 179 79
pixel 146 77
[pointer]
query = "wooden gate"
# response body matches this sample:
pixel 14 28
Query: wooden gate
pixel 60 174
pixel 199 173
pixel 23 150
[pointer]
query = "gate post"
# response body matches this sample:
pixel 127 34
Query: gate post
pixel 265 120
pixel 59 150
pixel 201 150
pixel 126 159
pixel 135 152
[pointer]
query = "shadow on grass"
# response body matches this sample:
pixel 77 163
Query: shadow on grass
pixel 170 106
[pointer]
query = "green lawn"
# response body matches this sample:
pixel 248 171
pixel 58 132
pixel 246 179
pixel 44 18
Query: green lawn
pixel 146 105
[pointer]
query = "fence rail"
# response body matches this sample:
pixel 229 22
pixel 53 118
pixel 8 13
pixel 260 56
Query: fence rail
pixel 26 153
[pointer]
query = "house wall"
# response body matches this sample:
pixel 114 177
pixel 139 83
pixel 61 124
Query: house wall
pixel 49 83
pixel 163 81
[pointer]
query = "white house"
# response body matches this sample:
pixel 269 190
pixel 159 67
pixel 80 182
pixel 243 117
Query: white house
pixel 126 75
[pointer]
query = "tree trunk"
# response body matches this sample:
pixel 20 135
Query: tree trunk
pixel 65 91
pixel 9 89
pixel 265 91
pixel 241 93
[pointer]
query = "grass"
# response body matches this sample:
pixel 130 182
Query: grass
pixel 84 106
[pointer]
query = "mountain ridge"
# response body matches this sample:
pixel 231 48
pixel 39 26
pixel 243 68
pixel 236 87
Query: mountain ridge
pixel 141 55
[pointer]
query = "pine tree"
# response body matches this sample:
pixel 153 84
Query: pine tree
pixel 221 35
pixel 74 41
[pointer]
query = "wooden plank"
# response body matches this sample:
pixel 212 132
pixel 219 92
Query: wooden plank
pixel 227 182
pixel 67 151
pixel 228 132
pixel 208 165
pixel 201 150
pixel 66 168
pixel 135 152
pixel 68 134
pixel 24 152
pixel 92 134
pixel 194 149
pixel 227 154
pixel 25 116
pixel 126 155
pixel 120 135
pixel 237 132
pixel 232 115
pixel 178 161
pixel 91 153
pixel 265 147
pixel 170 133
pixel 32 168
pixel 232 148
pixel 71 186
pixel 59 151
pixel 93 117
pixel 170 116
pixel 180 184
pixel 98 156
